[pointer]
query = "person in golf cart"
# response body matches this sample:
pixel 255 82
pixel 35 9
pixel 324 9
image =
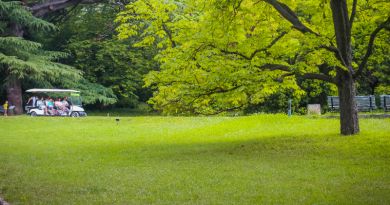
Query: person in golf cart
pixel 59 105
pixel 55 104
pixel 42 105
pixel 65 104
pixel 52 107
pixel 32 101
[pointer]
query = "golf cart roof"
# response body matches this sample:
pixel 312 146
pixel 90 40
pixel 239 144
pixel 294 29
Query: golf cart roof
pixel 38 90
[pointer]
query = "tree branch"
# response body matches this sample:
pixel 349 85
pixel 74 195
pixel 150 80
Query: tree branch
pixel 336 51
pixel 273 67
pixel 273 42
pixel 46 7
pixel 238 53
pixel 331 49
pixel 220 110
pixel 281 78
pixel 169 34
pixel 353 13
pixel 315 76
pixel 370 46
pixel 290 16
pixel 318 76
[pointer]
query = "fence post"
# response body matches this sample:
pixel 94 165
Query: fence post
pixel 331 102
pixel 370 103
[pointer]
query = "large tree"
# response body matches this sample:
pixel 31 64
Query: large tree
pixel 349 67
pixel 223 55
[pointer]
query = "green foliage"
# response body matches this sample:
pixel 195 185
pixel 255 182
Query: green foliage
pixel 21 57
pixel 375 78
pixel 92 93
pixel 150 19
pixel 112 64
pixel 26 59
pixel 29 61
pixel 88 34
pixel 215 55
pixel 196 76
pixel 15 12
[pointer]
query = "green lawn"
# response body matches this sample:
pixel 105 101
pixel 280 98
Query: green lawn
pixel 264 159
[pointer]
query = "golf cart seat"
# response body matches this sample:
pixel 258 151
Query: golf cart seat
pixel 28 108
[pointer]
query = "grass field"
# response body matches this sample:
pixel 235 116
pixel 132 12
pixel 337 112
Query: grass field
pixel 264 159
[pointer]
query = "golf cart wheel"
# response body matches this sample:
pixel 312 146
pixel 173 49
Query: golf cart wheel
pixel 75 114
pixel 33 114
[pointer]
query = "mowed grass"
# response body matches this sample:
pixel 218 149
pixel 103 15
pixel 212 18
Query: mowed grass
pixel 263 159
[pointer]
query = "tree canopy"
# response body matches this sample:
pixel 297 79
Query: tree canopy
pixel 225 55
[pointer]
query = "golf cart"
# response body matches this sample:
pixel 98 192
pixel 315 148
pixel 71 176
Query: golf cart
pixel 72 106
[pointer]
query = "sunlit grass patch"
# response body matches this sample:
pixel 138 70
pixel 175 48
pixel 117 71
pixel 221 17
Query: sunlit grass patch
pixel 193 160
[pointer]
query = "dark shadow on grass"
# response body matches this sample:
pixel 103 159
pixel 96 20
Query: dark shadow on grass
pixel 121 112
pixel 278 147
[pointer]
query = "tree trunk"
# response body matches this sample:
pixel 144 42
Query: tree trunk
pixel 14 84
pixel 14 94
pixel 349 122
